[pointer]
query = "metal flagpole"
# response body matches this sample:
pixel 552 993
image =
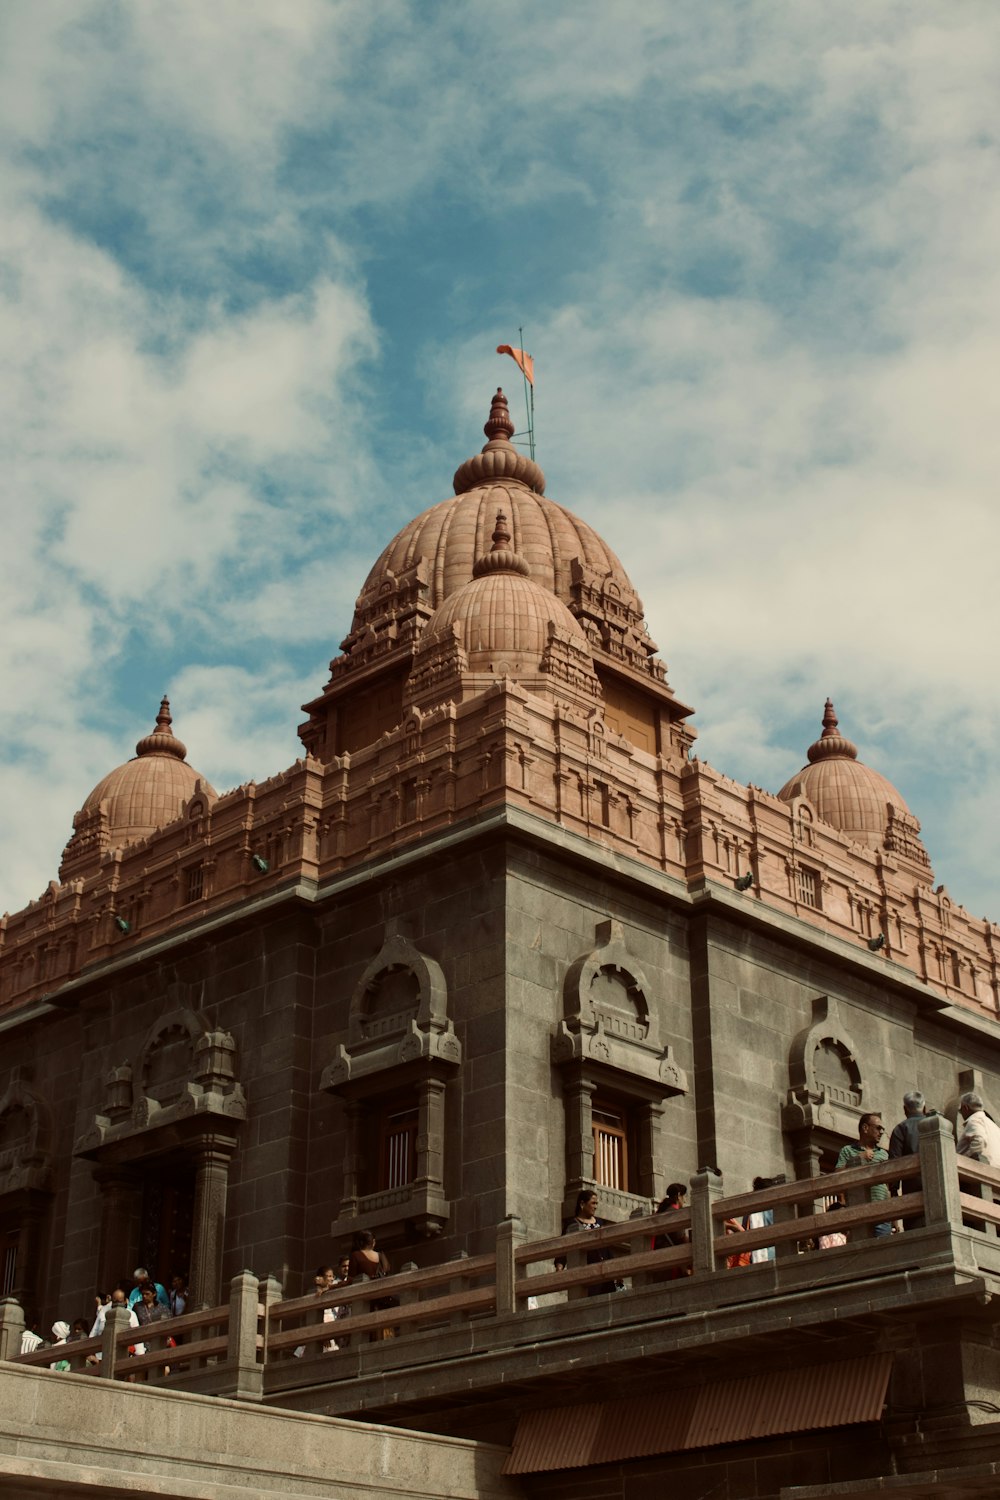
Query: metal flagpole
pixel 529 407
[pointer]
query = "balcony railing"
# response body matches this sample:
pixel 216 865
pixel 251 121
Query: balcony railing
pixel 260 1345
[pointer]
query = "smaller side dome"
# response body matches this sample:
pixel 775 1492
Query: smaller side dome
pixel 852 797
pixel 135 799
pixel 502 624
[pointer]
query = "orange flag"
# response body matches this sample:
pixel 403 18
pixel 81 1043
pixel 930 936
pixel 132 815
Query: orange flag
pixel 522 360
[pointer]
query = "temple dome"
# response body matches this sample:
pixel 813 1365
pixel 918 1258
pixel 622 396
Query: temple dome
pixel 137 798
pixel 451 535
pixel 845 792
pixel 507 625
pixel 502 612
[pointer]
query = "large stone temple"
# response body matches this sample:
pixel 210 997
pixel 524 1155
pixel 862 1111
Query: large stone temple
pixel 497 937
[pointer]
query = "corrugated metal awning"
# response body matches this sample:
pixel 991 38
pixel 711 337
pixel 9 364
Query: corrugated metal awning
pixel 726 1411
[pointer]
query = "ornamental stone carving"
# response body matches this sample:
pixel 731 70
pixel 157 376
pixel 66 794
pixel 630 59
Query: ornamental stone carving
pixel 182 1072
pixel 398 1015
pixel 826 1088
pixel 25 1139
pixel 607 1016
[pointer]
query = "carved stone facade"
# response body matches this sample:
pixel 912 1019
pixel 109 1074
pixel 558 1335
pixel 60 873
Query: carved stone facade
pixel 496 938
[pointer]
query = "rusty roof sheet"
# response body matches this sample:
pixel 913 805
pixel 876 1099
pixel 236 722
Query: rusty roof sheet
pixel 725 1411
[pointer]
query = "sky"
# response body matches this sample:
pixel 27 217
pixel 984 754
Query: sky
pixel 255 260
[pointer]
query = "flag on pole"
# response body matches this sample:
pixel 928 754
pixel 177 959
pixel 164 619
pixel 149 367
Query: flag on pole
pixel 524 361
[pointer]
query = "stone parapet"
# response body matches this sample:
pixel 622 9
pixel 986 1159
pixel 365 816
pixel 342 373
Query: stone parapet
pixel 504 746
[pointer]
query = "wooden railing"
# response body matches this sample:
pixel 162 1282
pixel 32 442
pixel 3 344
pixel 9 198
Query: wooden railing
pixel 231 1349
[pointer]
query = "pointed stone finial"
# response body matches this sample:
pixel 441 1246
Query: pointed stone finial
pixel 499 427
pixel 162 741
pixel 501 536
pixel 831 742
pixel 502 557
pixel 830 719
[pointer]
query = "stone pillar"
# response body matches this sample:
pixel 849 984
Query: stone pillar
pixel 579 1094
pixel 706 1189
pixel 353 1116
pixel 650 1181
pixel 208 1229
pixel 118 1246
pixel 430 1130
pixel 11 1328
pixel 939 1172
pixel 112 1353
pixel 510 1234
pixel 245 1374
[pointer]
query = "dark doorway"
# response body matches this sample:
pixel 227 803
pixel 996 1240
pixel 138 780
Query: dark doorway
pixel 167 1218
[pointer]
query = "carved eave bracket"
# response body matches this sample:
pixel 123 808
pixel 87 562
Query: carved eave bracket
pixel 439 1045
pixel 576 1044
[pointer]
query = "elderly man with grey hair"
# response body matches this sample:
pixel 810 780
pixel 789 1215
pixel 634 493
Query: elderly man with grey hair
pixel 905 1141
pixel 980 1135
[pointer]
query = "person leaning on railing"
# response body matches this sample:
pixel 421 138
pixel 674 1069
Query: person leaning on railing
pixel 867 1153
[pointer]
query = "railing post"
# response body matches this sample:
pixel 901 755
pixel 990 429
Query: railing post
pixel 510 1235
pixel 241 1355
pixel 785 1213
pixel 939 1172
pixel 11 1327
pixel 706 1189
pixel 268 1293
pixel 116 1321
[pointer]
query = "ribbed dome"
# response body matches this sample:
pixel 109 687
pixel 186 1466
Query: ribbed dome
pixel 450 536
pixel 502 614
pixel 146 793
pixel 844 792
pixel 503 624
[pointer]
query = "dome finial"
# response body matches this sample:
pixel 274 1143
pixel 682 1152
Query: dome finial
pixel 502 557
pixel 498 426
pixel 501 535
pixel 162 741
pixel 831 742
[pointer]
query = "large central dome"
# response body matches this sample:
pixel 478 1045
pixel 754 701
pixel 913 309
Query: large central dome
pixel 450 536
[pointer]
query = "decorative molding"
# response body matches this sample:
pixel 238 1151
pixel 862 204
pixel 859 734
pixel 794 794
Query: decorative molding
pixel 608 1019
pixel 198 1084
pixel 411 1028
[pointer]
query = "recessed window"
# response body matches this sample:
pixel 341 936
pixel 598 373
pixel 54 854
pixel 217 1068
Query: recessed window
pixel 808 885
pixel 397 1147
pixel 611 1145
pixel 8 1262
pixel 194 883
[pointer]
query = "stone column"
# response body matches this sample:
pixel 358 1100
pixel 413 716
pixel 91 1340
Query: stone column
pixel 353 1114
pixel 211 1184
pixel 649 1177
pixel 579 1094
pixel 430 1130
pixel 118 1246
pixel 11 1328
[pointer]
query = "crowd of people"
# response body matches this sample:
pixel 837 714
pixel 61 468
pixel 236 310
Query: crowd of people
pixel 977 1140
pixel 150 1302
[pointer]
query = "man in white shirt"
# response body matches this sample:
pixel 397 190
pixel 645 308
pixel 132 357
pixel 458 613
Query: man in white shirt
pixel 980 1136
pixel 117 1299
